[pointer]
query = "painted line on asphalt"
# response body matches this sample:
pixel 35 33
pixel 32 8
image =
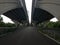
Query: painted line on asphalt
pixel 49 37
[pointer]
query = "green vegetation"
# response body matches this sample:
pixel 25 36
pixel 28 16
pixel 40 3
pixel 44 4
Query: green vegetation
pixel 50 24
pixel 2 24
pixel 6 27
pixel 53 25
pixel 51 29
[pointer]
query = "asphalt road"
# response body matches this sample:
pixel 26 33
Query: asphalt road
pixel 26 36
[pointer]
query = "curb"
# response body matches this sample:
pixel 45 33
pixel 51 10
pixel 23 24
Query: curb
pixel 50 37
pixel 3 35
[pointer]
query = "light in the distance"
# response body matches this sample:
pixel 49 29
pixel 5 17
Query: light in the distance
pixel 29 8
pixel 6 19
pixel 54 20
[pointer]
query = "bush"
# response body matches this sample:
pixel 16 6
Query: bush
pixel 57 25
pixel 2 24
pixel 51 24
pixel 10 25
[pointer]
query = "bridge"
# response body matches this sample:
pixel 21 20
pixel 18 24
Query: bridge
pixel 48 9
pixel 14 9
pixel 42 10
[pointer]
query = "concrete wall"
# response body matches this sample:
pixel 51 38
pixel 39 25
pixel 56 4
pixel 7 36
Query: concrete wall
pixel 6 5
pixel 52 6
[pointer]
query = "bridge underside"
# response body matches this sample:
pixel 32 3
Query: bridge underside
pixel 17 14
pixel 14 9
pixel 43 10
pixel 41 15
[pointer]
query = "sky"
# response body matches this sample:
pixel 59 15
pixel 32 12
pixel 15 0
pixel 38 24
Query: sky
pixel 29 7
pixel 6 19
pixel 54 19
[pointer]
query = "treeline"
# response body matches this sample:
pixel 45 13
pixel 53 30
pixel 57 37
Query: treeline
pixel 2 24
pixel 53 24
pixel 49 24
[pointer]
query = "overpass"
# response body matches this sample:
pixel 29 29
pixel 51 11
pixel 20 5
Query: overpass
pixel 14 9
pixel 43 10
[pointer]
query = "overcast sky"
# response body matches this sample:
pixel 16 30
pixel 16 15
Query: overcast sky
pixel 29 7
pixel 6 19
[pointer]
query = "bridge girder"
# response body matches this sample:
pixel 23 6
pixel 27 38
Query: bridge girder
pixel 51 6
pixel 8 6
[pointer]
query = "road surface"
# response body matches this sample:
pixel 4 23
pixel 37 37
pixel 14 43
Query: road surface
pixel 26 36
